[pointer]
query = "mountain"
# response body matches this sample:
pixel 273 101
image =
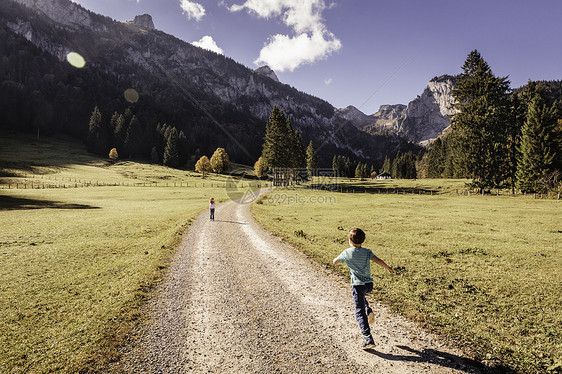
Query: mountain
pixel 421 121
pixel 214 100
pixel 266 71
pixel 387 119
pixel 355 116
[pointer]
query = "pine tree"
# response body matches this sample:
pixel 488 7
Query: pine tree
pixel 133 139
pixel 365 171
pixel 311 159
pixel 154 155
pixel 348 167
pixel 171 155
pixel 359 170
pixel 538 150
pixel 335 166
pixel 386 166
pixel 119 132
pixel 436 160
pixel 482 102
pixel 278 142
pixel 183 149
pixel 94 130
pixel 298 150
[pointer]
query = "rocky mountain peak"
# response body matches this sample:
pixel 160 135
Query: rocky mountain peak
pixel 65 13
pixel 422 120
pixel 357 117
pixel 144 21
pixel 266 71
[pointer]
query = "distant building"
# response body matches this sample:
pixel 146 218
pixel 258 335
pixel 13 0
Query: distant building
pixel 384 176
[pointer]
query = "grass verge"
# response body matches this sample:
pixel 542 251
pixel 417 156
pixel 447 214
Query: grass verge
pixel 78 263
pixel 481 271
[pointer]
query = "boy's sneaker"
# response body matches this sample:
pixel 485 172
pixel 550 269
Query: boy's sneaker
pixel 368 342
pixel 371 317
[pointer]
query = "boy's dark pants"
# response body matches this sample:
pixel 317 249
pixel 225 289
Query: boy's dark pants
pixel 362 306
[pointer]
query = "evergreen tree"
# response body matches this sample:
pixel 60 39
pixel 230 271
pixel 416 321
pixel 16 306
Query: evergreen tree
pixel 335 165
pixel 95 131
pixel 279 141
pixel 482 102
pixel 365 171
pixel 539 147
pixel 436 160
pixel 154 155
pixel 404 166
pixel 171 156
pixel 348 167
pixel 386 166
pixel 120 132
pixel 311 159
pixel 359 170
pixel 183 150
pixel 298 150
pixel 133 139
pixel 113 122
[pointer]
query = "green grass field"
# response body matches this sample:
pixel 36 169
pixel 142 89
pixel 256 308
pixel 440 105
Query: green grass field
pixel 483 271
pixel 78 263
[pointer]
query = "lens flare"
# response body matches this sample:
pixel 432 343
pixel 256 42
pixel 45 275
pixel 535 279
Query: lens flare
pixel 131 95
pixel 76 60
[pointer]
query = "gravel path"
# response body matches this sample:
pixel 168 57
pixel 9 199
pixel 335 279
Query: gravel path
pixel 239 300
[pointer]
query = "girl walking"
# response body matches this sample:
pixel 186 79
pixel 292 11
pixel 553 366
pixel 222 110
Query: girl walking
pixel 212 208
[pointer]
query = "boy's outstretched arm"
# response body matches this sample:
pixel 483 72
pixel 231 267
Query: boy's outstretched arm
pixel 336 261
pixel 380 262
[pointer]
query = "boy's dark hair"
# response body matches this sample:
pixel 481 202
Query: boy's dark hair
pixel 356 235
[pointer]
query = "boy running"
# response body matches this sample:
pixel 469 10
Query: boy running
pixel 358 260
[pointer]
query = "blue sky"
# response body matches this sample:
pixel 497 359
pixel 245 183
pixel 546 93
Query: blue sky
pixel 364 52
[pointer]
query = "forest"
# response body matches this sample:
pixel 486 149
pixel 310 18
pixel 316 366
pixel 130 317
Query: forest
pixel 500 138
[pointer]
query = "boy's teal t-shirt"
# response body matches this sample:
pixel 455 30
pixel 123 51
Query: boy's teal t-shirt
pixel 358 260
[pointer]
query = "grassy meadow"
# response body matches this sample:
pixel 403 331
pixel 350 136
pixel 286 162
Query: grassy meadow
pixel 483 271
pixel 78 263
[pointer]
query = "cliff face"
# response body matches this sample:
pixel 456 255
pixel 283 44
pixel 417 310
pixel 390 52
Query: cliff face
pixel 387 119
pixel 144 21
pixel 427 116
pixel 266 71
pixel 73 17
pixel 422 120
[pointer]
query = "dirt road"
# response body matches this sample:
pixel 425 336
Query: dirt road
pixel 238 300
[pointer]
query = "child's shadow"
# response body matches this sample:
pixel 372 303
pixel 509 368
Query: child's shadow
pixel 433 356
pixel 226 221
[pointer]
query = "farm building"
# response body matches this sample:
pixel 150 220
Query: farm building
pixel 384 176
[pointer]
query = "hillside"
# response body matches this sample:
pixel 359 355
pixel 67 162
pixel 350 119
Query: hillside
pixel 214 100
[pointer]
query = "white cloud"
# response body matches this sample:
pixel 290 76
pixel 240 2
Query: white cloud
pixel 192 9
pixel 328 81
pixel 288 53
pixel 208 43
pixel 312 41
